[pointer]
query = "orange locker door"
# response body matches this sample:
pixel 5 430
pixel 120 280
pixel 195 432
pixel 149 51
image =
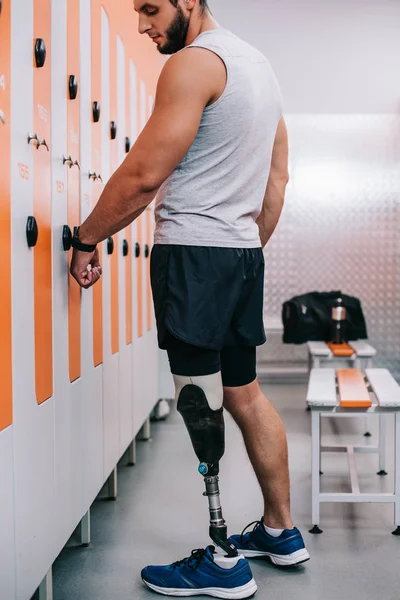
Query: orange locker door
pixel 149 237
pixel 40 140
pixel 128 230
pixel 73 178
pixel 139 273
pixel 95 173
pixel 113 166
pixel 5 226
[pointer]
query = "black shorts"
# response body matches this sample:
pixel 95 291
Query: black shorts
pixel 211 299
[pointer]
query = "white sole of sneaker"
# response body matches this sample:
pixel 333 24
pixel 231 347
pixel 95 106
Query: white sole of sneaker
pixel 282 560
pixel 244 591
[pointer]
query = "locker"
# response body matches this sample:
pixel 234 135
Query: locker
pixel 33 425
pixel 66 161
pixel 81 374
pixel 7 540
pixel 5 210
pixel 125 279
pixel 110 255
pixel 95 172
pixel 91 424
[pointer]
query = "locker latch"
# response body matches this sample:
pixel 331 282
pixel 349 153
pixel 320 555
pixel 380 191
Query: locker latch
pixel 32 232
pixel 73 87
pixel 40 52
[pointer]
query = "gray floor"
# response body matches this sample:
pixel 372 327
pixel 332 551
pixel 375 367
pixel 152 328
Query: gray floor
pixel 160 516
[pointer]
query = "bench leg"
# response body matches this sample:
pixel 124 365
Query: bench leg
pixel 112 485
pixel 85 529
pixel 382 445
pixel 46 587
pixel 397 473
pixel 132 454
pixel 144 433
pixel 315 469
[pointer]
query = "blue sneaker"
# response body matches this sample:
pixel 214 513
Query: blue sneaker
pixel 200 574
pixel 286 550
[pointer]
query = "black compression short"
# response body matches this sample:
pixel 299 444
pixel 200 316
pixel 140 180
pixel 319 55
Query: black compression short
pixel 237 364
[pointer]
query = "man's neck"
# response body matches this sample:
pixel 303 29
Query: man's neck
pixel 199 25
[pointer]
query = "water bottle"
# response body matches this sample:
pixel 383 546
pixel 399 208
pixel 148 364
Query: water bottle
pixel 338 333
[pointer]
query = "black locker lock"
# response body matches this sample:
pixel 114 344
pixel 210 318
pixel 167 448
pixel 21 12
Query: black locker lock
pixel 113 130
pixel 76 230
pixel 73 87
pixel 137 250
pixel 127 144
pixel 96 112
pixel 66 238
pixel 146 251
pixel 40 52
pixel 32 232
pixel 110 245
pixel 125 248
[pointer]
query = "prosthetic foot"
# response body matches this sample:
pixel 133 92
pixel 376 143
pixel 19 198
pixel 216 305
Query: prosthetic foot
pixel 200 404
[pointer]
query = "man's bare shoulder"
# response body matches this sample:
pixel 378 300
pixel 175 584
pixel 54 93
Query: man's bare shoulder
pixel 193 71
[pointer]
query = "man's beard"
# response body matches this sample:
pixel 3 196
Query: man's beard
pixel 176 34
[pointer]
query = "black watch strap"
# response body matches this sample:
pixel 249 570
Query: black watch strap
pixel 78 245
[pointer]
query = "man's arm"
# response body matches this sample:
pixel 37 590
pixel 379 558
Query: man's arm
pixel 189 81
pixel 277 182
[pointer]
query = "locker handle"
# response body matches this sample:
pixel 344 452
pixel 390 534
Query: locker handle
pixel 45 144
pixel 2 116
pixel 127 144
pixel 113 130
pixel 32 232
pixel 125 248
pixel 1 6
pixel 73 87
pixel 69 161
pixel 76 164
pixel 96 112
pixel 146 251
pixel 92 176
pixel 137 250
pixel 110 245
pixel 40 52
pixel 66 238
pixel 36 139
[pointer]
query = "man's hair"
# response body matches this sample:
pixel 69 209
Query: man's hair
pixel 203 4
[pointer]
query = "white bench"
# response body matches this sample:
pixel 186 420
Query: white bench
pixel 345 393
pixel 319 355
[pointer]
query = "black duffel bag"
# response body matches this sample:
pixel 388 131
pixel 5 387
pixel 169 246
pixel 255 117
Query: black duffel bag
pixel 308 318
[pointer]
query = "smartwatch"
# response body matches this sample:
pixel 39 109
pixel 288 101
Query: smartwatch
pixel 78 245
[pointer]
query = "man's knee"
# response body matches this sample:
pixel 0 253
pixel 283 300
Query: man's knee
pixel 238 400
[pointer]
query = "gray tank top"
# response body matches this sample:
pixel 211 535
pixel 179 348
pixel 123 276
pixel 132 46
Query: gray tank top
pixel 215 194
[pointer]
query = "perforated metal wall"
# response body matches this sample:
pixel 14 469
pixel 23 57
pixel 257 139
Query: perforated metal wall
pixel 340 227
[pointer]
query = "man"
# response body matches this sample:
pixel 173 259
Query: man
pixel 215 152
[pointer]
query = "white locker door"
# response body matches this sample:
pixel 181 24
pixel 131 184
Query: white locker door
pixel 136 340
pixel 7 540
pixel 151 345
pixel 91 314
pixel 66 160
pixel 110 259
pixel 137 302
pixel 34 447
pixel 125 258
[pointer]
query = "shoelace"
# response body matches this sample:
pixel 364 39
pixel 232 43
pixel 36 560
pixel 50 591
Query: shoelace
pixel 256 525
pixel 192 561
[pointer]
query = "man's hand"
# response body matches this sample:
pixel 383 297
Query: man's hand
pixel 85 276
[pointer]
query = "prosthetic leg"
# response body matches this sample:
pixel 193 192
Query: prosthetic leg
pixel 200 404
